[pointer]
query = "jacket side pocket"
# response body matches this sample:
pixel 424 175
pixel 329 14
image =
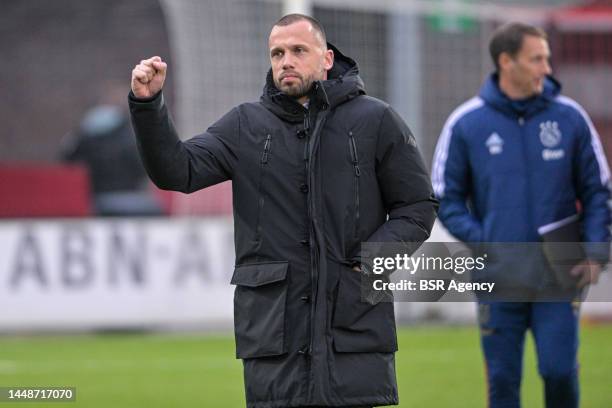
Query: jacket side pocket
pixel 259 309
pixel 358 326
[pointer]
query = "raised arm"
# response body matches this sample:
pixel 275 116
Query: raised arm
pixel 200 162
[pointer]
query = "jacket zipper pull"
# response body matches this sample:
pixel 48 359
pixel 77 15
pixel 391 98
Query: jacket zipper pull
pixel 264 156
pixel 306 122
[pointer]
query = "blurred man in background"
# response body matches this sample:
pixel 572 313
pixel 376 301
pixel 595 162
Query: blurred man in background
pixel 509 161
pixel 317 168
pixel 104 143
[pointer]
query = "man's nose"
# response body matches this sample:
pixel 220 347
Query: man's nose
pixel 547 68
pixel 287 62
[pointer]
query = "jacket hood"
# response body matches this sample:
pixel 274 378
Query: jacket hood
pixel 343 83
pixel 492 94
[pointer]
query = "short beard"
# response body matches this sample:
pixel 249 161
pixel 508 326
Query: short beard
pixel 298 90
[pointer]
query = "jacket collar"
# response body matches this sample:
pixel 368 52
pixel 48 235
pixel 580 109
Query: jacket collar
pixel 343 84
pixel 492 94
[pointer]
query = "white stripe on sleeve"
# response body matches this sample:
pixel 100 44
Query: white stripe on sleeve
pixel 604 170
pixel 441 153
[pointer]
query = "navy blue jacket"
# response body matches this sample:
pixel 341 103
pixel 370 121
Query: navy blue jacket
pixel 503 169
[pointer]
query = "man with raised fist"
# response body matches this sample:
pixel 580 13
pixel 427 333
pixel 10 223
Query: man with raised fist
pixel 317 168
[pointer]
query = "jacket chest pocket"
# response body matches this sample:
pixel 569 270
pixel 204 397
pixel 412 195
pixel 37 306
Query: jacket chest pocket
pixel 259 309
pixel 354 154
pixel 263 169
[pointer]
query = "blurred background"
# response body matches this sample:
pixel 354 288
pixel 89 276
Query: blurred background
pixel 89 246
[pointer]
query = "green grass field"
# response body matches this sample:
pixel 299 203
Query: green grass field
pixel 437 367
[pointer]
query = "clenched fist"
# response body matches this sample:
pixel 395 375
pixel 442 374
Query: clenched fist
pixel 148 77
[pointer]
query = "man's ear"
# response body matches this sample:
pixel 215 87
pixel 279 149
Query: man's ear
pixel 505 61
pixel 328 63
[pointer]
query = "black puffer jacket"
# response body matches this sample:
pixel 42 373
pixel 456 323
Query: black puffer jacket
pixel 308 187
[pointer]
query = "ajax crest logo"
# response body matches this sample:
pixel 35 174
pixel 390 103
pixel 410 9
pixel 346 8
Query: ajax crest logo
pixel 550 135
pixel 495 143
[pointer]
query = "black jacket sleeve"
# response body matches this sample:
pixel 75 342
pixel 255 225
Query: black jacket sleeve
pixel 405 188
pixel 202 161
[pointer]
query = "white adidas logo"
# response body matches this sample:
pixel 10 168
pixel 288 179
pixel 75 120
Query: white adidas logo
pixel 495 143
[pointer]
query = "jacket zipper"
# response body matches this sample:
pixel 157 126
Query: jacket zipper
pixel 312 133
pixel 265 157
pixel 355 161
pixel 312 237
pixel 528 186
